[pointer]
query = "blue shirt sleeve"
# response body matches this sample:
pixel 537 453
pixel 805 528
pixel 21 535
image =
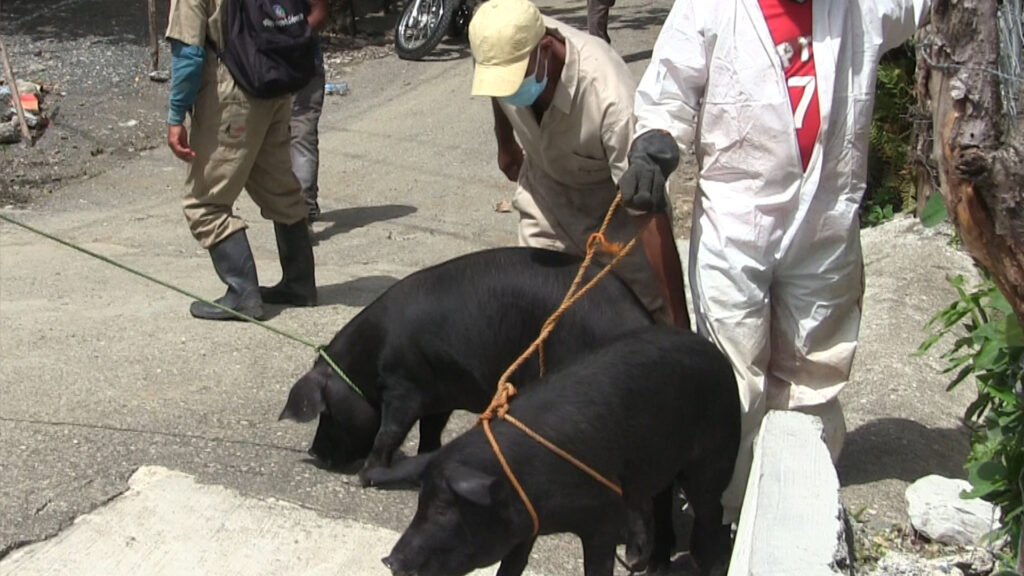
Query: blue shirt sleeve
pixel 186 74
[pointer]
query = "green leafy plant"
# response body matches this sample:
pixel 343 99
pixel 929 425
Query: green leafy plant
pixel 989 345
pixel 878 214
pixel 890 181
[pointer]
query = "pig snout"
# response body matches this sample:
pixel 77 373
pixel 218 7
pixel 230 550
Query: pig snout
pixel 392 564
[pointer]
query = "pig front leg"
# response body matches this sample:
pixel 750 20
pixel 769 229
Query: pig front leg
pixel 514 563
pixel 639 535
pixel 400 408
pixel 599 550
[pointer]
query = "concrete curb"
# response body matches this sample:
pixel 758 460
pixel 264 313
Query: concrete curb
pixel 167 524
pixel 792 518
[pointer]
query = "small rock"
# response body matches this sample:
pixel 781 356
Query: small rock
pixel 10 132
pixel 901 563
pixel 26 87
pixel 503 206
pixel 977 562
pixel 937 511
pixel 128 124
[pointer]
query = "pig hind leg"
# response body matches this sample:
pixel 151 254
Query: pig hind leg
pixel 710 540
pixel 431 427
pixel 664 533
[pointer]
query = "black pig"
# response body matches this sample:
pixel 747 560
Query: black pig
pixel 652 407
pixel 439 340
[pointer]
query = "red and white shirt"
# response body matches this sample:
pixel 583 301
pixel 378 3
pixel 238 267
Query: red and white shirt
pixel 790 25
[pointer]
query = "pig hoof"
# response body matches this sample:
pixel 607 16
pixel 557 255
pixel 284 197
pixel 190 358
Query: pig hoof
pixel 656 568
pixel 635 565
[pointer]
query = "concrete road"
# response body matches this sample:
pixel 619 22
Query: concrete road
pixel 102 372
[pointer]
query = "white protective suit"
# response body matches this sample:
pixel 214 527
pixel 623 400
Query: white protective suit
pixel 776 274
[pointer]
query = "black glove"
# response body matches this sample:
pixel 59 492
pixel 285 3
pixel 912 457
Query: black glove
pixel 652 157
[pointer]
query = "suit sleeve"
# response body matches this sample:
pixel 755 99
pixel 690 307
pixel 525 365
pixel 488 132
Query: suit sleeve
pixel 668 97
pixel 900 19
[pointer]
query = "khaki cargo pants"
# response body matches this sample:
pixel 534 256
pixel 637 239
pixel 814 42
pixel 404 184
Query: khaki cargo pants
pixel 240 142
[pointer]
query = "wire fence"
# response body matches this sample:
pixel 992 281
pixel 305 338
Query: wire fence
pixel 1011 46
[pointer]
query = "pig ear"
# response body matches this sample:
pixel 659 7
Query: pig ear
pixel 306 399
pixel 406 471
pixel 472 485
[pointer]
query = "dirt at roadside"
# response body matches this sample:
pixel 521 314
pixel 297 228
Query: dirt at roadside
pixel 92 59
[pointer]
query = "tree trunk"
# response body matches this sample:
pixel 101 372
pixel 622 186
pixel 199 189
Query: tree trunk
pixel 979 145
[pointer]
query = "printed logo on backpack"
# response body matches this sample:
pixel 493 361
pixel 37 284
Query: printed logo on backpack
pixel 269 47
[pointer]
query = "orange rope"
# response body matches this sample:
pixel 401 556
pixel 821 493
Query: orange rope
pixel 595 243
pixel 512 477
pixel 505 391
pixel 574 461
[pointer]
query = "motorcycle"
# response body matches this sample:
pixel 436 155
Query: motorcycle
pixel 424 23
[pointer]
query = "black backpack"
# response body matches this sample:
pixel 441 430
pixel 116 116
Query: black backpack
pixel 269 47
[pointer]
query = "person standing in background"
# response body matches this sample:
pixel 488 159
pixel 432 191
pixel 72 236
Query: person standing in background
pixel 597 18
pixel 562 103
pixel 307 105
pixel 237 141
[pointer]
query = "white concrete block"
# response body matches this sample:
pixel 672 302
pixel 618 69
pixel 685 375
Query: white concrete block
pixel 791 523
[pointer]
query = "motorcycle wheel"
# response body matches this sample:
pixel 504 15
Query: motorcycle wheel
pixel 422 26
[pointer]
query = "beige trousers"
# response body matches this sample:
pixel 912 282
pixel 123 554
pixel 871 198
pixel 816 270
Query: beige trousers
pixel 240 142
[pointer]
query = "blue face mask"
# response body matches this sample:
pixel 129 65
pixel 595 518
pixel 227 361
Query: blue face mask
pixel 529 90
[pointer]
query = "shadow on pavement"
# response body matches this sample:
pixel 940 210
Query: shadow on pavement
pixel 902 449
pixel 356 293
pixel 348 219
pixel 448 50
pixel 637 56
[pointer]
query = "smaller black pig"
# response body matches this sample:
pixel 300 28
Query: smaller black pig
pixel 652 407
pixel 438 341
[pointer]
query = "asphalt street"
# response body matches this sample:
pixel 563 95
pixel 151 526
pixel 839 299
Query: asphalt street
pixel 102 372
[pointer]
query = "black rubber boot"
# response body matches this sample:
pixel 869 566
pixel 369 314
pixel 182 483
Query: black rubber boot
pixel 232 259
pixel 298 281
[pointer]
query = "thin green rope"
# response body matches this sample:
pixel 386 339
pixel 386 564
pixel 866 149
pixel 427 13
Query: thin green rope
pixel 319 349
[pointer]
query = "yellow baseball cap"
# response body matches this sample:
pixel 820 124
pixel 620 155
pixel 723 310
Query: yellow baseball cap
pixel 502 34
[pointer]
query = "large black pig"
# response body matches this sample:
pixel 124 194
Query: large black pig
pixel 439 339
pixel 652 407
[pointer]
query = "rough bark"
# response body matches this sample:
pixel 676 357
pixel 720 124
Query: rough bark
pixel 980 150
